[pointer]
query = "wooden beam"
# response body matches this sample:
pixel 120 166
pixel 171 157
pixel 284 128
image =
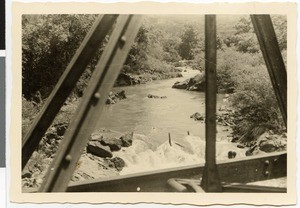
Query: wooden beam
pixel 91 105
pixel 66 84
pixel 270 49
pixel 210 180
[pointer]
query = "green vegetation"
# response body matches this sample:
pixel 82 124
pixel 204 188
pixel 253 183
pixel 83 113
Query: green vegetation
pixel 50 41
pixel 188 43
pixel 256 108
pixel 48 44
pixel 153 54
pixel 241 65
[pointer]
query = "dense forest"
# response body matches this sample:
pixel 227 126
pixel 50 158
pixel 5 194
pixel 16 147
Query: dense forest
pixel 162 43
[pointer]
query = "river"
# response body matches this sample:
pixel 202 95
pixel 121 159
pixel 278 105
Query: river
pixel 152 120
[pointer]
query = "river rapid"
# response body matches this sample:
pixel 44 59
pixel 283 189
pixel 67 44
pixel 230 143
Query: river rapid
pixel 152 120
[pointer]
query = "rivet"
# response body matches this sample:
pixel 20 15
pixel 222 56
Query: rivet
pixel 123 39
pixel 267 162
pixel 68 158
pixel 267 173
pixel 97 95
pixel 138 188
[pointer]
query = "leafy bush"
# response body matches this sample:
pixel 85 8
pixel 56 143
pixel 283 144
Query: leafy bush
pixel 254 101
pixel 189 41
pixel 199 61
pixel 232 65
pixel 245 40
pixel 152 53
pixel 48 44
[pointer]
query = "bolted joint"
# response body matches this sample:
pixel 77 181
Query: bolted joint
pixel 123 40
pixel 267 163
pixel 68 158
pixel 267 173
pixel 97 95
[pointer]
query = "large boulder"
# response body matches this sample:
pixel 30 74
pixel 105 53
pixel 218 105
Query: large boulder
pixel 114 97
pixel 272 143
pixel 127 139
pixel 181 85
pixel 127 79
pixel 114 140
pixel 117 163
pixel 121 95
pixel 108 138
pixel 114 143
pixel 196 83
pixel 197 117
pixel 268 142
pixel 96 148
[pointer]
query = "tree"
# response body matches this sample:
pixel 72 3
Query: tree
pixel 245 39
pixel 48 44
pixel 188 43
pixel 151 52
pixel 280 27
pixel 171 47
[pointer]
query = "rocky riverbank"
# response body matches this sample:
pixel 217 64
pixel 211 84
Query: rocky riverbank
pixel 115 97
pixel 197 83
pixel 126 79
pixel 265 143
pixel 97 160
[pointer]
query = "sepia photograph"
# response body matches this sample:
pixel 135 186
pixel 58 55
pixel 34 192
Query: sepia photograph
pixel 154 103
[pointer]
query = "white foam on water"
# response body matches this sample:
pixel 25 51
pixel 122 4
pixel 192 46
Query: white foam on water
pixel 142 156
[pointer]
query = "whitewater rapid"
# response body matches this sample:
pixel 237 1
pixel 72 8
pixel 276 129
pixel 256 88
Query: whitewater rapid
pixel 142 156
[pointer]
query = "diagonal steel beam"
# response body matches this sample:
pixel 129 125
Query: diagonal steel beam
pixel 91 105
pixel 66 84
pixel 270 49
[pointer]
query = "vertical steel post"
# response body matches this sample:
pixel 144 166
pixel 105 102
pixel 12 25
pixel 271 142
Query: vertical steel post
pixel 210 179
pixel 270 49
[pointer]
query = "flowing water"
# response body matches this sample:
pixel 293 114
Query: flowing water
pixel 152 120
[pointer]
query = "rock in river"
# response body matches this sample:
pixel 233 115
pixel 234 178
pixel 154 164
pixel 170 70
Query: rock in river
pixel 114 97
pixel 127 139
pixel 111 141
pixel 196 83
pixel 181 85
pixel 121 94
pixel 156 96
pixel 117 163
pixel 96 148
pixel 108 138
pixel 127 79
pixel 197 116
